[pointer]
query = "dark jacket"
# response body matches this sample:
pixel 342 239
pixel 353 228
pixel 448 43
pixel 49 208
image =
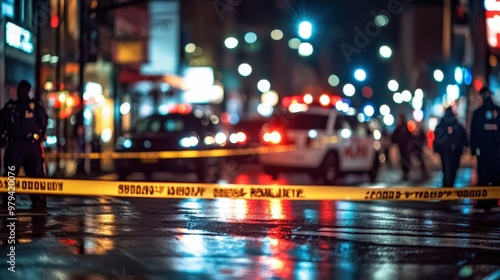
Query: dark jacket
pixel 485 128
pixel 403 138
pixel 450 135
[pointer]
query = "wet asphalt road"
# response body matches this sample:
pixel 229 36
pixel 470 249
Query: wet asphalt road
pixel 108 238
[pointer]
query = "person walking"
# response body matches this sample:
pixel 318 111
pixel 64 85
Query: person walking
pixel 417 153
pixel 24 122
pixel 485 144
pixel 403 139
pixel 450 141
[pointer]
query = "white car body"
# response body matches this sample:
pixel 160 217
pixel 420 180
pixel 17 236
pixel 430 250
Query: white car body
pixel 318 132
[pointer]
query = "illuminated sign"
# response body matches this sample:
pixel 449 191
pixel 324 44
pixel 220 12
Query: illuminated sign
pixel 18 37
pixel 493 28
pixel 492 5
pixel 492 8
pixel 199 88
pixel 164 38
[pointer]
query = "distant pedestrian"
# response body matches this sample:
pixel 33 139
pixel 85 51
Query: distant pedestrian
pixel 485 143
pixel 417 153
pixel 450 141
pixel 403 139
pixel 24 121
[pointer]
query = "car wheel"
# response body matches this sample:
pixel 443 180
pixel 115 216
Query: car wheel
pixel 330 169
pixel 122 176
pixel 374 171
pixel 271 172
pixel 148 176
pixel 209 173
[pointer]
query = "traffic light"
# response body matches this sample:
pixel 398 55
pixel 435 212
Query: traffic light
pixel 461 13
pixel 54 21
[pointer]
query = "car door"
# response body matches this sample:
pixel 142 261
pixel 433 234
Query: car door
pixel 356 148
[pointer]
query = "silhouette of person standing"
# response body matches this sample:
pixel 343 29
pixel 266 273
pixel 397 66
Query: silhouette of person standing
pixel 450 141
pixel 403 139
pixel 485 143
pixel 419 142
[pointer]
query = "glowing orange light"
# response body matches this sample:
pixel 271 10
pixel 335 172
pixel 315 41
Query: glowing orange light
pixel 478 83
pixel 286 102
pixel 411 126
pixel 430 139
pixel 334 99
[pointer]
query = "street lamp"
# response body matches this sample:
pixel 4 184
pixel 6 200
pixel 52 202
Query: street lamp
pixel 438 75
pixel 385 51
pixel 349 89
pixel 360 75
pixel 305 30
pixel 393 85
pixel 231 42
pixel 305 49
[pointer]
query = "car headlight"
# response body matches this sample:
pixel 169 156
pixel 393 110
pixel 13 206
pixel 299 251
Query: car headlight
pixel 127 143
pixel 188 142
pixel 220 138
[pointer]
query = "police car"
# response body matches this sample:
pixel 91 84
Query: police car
pixel 328 144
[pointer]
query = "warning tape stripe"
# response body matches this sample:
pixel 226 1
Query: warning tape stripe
pixel 240 191
pixel 175 154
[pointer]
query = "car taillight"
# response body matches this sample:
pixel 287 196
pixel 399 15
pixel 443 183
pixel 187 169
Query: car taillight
pixel 273 137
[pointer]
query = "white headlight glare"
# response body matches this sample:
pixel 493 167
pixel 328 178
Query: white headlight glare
pixel 220 138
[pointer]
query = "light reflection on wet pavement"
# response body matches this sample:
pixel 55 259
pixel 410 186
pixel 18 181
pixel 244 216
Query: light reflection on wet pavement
pixel 102 238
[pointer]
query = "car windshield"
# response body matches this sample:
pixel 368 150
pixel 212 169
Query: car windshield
pixel 300 121
pixel 170 124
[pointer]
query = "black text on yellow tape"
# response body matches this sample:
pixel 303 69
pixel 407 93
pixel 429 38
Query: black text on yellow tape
pixel 432 194
pixel 32 185
pixel 244 191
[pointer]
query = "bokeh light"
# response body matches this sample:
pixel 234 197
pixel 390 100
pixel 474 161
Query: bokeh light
pixel 385 51
pixel 333 80
pixel 305 29
pixel 277 34
pixel 438 75
pixel 250 37
pixel 360 75
pixel 231 42
pixel 385 110
pixel 381 20
pixel 189 48
pixel 349 90
pixel 393 85
pixel 294 43
pixel 263 85
pixel 305 49
pixel 245 69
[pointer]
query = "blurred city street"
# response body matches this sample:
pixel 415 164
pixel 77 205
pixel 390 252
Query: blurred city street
pixel 337 129
pixel 111 238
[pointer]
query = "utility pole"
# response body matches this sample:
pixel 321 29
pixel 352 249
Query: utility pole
pixel 480 46
pixel 81 143
pixel 58 172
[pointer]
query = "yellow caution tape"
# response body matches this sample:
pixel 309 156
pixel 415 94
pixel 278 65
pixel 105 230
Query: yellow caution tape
pixel 242 191
pixel 175 154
